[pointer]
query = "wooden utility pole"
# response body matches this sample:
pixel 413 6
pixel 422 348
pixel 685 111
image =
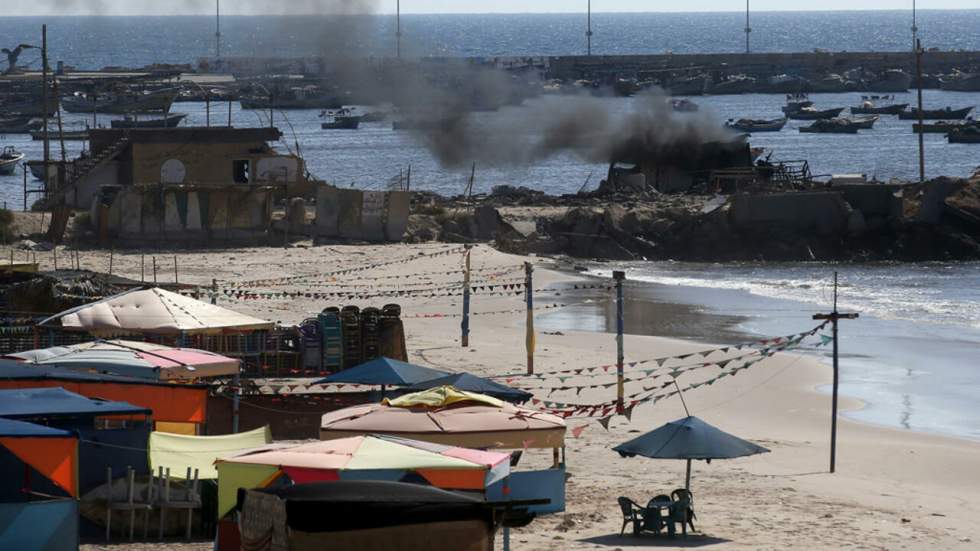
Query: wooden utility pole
pixel 588 30
pixel 918 73
pixel 214 291
pixel 398 29
pixel 834 317
pixel 529 336
pixel 619 277
pixel 465 325
pixel 154 271
pixel 176 279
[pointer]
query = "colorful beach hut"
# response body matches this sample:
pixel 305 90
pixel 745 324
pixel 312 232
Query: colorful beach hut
pixel 142 360
pixel 176 408
pixel 372 457
pixel 112 434
pixel 452 417
pixel 38 510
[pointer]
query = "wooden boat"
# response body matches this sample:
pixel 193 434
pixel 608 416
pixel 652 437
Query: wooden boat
pixel 869 109
pixel 941 127
pixel 683 105
pixel 19 125
pixel 342 122
pixel 756 125
pixel 796 102
pixel 53 135
pixel 947 114
pixel 967 134
pixel 9 160
pixel 811 114
pixel 831 126
pixel 122 104
pixel 866 122
pixel 169 121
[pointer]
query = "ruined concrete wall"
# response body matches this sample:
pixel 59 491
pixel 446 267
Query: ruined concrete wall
pixel 881 200
pixel 212 163
pixel 362 215
pixel 821 212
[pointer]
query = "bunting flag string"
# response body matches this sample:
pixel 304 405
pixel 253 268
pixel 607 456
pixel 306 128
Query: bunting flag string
pixel 787 341
pixel 348 271
pixel 496 312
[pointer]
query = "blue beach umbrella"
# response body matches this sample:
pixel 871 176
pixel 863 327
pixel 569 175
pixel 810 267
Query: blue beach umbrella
pixel 385 372
pixel 689 438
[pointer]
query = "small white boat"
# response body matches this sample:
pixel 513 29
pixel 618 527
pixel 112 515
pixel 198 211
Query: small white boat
pixel 9 160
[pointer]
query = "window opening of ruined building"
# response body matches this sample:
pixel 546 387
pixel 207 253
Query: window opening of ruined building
pixel 242 171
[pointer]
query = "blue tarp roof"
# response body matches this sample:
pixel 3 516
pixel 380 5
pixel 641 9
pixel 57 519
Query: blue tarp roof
pixel 385 371
pixel 688 438
pixel 11 369
pixel 55 402
pixel 472 383
pixel 20 429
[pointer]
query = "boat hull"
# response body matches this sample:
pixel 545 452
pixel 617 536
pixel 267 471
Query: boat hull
pixel 804 115
pixel 157 102
pixel 937 114
pixel 171 121
pixel 9 166
pixel 886 110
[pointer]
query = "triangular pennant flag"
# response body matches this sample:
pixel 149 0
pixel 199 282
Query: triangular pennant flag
pixel 628 412
pixel 577 431
pixel 605 422
pixel 825 340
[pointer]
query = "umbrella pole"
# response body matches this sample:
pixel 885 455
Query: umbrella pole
pixel 687 481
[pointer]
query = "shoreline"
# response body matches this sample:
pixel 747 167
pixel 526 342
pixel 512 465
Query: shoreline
pixel 653 294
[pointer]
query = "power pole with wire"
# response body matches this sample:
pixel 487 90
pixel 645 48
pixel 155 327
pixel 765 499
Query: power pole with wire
pixel 620 381
pixel 834 317
pixel 465 325
pixel 918 85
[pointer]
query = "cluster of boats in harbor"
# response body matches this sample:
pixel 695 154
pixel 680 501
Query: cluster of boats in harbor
pixel 955 123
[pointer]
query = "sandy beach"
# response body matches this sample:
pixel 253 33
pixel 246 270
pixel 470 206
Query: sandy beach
pixel 893 489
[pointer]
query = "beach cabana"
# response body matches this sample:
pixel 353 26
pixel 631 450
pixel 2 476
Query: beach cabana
pixel 384 372
pixel 156 312
pixel 174 406
pixel 453 417
pixel 472 383
pixel 111 434
pixel 142 360
pixel 366 515
pixel 374 457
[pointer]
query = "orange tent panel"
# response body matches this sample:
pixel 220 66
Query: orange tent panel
pixel 55 458
pixel 455 479
pixel 171 403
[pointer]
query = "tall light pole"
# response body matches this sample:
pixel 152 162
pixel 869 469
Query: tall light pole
pixel 588 32
pixel 915 29
pixel 398 29
pixel 217 29
pixel 748 29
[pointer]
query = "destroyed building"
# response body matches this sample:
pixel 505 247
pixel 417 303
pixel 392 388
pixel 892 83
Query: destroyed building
pixel 676 167
pixel 180 183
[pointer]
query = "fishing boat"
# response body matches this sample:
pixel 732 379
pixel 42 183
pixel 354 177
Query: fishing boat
pixel 866 122
pixel 683 105
pixel 811 114
pixel 124 103
pixel 945 114
pixel 891 80
pixel 795 102
pixel 299 97
pixel 9 159
pixel 19 125
pixel 831 126
pixel 26 106
pixel 869 108
pixel 961 82
pixel 942 127
pixel 967 134
pixel 342 122
pixel 757 125
pixel 169 121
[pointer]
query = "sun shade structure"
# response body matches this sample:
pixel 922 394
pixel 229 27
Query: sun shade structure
pixel 448 416
pixel 133 359
pixel 58 402
pixel 373 457
pixel 153 311
pixel 385 372
pixel 184 403
pixel 472 383
pixel 689 438
pixel 51 452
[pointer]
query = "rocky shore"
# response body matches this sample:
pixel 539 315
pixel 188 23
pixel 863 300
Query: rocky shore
pixel 937 220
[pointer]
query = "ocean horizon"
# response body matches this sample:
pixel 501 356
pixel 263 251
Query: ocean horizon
pixel 92 42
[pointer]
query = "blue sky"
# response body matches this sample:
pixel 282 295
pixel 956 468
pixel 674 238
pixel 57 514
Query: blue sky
pixel 167 7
